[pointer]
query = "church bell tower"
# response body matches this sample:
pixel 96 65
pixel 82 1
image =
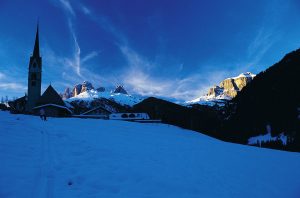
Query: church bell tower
pixel 34 75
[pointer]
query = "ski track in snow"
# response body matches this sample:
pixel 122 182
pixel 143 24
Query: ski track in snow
pixel 44 180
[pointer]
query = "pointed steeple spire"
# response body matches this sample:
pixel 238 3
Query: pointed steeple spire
pixel 36 50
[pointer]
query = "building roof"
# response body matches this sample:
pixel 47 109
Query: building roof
pixel 53 105
pixel 99 107
pixel 50 96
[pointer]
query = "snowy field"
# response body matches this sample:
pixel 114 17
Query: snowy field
pixel 70 158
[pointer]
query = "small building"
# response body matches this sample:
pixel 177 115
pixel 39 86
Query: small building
pixel 98 112
pixel 129 116
pixel 52 103
pixel 18 105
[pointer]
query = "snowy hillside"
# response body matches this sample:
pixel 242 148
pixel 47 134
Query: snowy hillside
pixel 210 100
pixel 69 157
pixel 123 99
pixel 244 75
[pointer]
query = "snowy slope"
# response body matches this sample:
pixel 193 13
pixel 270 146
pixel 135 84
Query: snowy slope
pixel 209 100
pixel 123 99
pixel 246 75
pixel 69 157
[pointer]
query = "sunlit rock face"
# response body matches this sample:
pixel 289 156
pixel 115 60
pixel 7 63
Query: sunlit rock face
pixel 231 86
pixel 215 91
pixel 86 86
pixel 225 91
pixel 77 89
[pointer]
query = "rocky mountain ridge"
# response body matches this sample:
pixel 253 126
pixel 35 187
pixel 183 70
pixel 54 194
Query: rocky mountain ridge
pixel 87 86
pixel 85 97
pixel 226 90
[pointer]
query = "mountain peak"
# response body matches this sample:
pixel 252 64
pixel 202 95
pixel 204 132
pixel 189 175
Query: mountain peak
pixel 226 90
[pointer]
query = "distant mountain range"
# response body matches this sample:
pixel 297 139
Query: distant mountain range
pixel 86 92
pixel 227 90
pixel 84 97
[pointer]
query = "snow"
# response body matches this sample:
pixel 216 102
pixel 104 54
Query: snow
pixel 246 74
pixel 267 138
pixel 71 157
pixel 123 99
pixel 210 100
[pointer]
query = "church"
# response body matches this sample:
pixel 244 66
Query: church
pixel 50 100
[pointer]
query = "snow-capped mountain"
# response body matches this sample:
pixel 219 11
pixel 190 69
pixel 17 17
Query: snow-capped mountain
pixel 225 91
pixel 86 92
pixel 122 99
pixel 78 89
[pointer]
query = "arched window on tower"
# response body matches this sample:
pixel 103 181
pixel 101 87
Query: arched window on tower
pixel 34 65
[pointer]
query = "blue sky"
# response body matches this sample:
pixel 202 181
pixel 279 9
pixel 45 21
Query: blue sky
pixel 153 47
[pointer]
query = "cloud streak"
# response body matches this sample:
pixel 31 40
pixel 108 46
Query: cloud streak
pixel 67 6
pixel 262 42
pixel 12 86
pixel 89 56
pixel 2 76
pixel 76 61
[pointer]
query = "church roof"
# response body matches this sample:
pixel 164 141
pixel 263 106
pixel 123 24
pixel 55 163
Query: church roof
pixel 50 96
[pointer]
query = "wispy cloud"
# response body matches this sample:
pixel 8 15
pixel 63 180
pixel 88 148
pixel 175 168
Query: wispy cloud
pixel 12 86
pixel 10 83
pixel 85 10
pixel 69 65
pixel 268 34
pixel 76 61
pixel 2 76
pixel 89 56
pixel 105 24
pixel 262 42
pixel 134 59
pixel 67 6
pixel 138 79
